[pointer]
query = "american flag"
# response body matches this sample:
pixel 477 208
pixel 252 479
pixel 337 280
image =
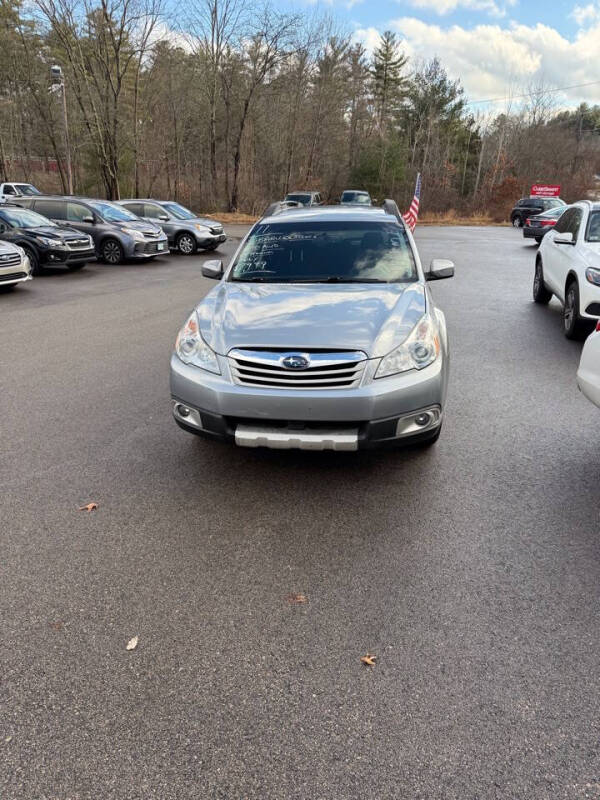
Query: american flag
pixel 412 215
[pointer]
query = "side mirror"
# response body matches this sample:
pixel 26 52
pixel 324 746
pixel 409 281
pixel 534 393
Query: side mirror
pixel 439 269
pixel 564 238
pixel 163 218
pixel 213 269
pixel 88 219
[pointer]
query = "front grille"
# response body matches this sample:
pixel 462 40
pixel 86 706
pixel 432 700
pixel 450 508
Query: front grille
pixel 151 234
pixel 10 260
pixel 13 276
pixel 264 369
pixel 148 247
pixel 79 244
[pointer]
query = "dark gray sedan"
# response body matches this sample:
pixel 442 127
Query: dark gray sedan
pixel 185 231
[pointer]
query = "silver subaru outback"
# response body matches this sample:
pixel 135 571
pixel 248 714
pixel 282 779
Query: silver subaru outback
pixel 321 334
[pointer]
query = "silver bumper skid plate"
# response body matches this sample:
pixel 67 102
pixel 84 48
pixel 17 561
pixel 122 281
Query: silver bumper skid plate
pixel 286 439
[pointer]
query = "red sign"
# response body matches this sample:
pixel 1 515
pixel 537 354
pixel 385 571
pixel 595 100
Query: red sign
pixel 544 190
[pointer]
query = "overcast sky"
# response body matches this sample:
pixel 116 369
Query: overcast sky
pixel 493 46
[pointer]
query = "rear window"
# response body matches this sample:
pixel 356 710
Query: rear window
pixel 53 209
pixel 299 198
pixel 356 197
pixel 326 252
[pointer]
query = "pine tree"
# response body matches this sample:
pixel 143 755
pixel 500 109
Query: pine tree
pixel 389 84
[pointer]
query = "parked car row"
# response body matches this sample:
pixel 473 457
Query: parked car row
pixel 349 197
pixel 71 231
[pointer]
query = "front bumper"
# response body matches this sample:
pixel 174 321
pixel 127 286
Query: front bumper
pixel 589 299
pixel 210 239
pixel 64 255
pixel 16 273
pixel 150 248
pixel 383 411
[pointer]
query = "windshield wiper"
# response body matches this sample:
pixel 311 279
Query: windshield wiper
pixel 337 279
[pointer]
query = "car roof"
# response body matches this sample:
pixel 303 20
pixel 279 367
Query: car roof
pixel 144 200
pixel 67 197
pixel 355 191
pixel 331 213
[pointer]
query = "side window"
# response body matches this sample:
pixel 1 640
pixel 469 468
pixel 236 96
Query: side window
pixel 50 209
pixel 575 222
pixel 76 212
pixel 564 223
pixel 8 189
pixel 135 208
pixel 152 211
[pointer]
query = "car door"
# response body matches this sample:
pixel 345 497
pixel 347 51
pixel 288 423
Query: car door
pixel 81 218
pixel 559 258
pixel 158 216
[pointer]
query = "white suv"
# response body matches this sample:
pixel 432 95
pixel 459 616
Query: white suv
pixel 568 266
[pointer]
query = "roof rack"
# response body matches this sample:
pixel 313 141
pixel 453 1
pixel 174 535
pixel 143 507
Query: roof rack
pixel 391 207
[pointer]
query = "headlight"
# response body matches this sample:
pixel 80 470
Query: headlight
pixel 419 350
pixel 192 349
pixel 47 242
pixel 20 250
pixel 593 275
pixel 201 228
pixel 137 236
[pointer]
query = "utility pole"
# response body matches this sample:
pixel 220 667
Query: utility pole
pixel 58 81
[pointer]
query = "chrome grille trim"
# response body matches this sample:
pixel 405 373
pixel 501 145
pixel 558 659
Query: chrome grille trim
pixel 9 259
pixel 263 369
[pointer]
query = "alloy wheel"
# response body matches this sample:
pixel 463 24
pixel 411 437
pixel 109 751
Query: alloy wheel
pixel 112 252
pixel 186 244
pixel 569 310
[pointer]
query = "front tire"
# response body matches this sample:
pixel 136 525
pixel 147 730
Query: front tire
pixel 517 222
pixel 574 326
pixel 33 259
pixel 186 244
pixel 111 252
pixel 541 295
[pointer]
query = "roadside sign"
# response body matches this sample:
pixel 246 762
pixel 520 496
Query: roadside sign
pixel 545 190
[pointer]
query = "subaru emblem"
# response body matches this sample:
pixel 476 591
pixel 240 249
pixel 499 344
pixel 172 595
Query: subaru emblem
pixel 295 361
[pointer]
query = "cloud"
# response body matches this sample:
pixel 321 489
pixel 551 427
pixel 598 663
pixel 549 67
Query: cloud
pixel 493 7
pixel 494 61
pixel 586 15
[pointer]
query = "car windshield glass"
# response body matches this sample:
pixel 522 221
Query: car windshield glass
pixel 356 197
pixel 27 188
pixel 299 198
pixel 112 212
pixel 594 227
pixel 179 211
pixel 326 252
pixel 22 218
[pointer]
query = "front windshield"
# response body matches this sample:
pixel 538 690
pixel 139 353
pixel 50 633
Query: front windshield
pixel 356 197
pixel 112 212
pixel 27 189
pixel 22 218
pixel 179 212
pixel 326 252
pixel 593 234
pixel 304 199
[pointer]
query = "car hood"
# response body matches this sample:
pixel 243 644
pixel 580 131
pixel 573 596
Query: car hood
pixel 374 319
pixel 208 223
pixel 591 254
pixel 54 232
pixel 7 247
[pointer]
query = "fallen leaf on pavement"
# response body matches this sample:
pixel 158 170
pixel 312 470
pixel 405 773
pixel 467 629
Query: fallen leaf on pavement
pixel 8 739
pixel 297 598
pixel 369 660
pixel 89 507
pixel 56 626
pixel 132 643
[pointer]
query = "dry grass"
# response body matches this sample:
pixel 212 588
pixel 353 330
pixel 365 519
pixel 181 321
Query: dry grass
pixel 233 218
pixel 450 217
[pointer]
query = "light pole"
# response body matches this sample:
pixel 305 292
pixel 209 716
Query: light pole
pixel 58 82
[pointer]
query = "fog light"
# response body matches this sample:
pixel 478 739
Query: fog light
pixel 183 411
pixel 422 420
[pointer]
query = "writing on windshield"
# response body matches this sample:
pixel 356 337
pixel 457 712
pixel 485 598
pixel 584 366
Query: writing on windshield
pixel 326 252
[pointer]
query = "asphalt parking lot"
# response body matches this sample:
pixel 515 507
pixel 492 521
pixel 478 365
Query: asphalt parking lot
pixel 471 570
